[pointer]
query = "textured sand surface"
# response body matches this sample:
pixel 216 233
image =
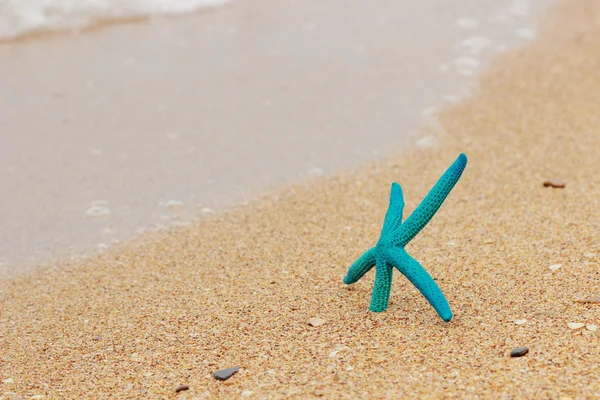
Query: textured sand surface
pixel 241 288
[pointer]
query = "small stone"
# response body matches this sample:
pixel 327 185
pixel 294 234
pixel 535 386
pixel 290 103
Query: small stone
pixel 225 374
pixel 520 321
pixel 488 241
pixel 316 321
pixel 591 327
pixel 247 393
pixel 207 211
pixel 181 388
pixel 575 325
pixel 555 183
pixel 519 352
pixel 8 381
pixel 555 267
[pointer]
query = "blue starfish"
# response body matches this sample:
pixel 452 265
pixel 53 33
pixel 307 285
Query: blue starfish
pixel 389 251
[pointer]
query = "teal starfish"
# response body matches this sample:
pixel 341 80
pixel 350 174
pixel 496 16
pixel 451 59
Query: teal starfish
pixel 389 251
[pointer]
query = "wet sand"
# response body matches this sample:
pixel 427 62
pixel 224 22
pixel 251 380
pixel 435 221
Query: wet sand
pixel 213 108
pixel 238 289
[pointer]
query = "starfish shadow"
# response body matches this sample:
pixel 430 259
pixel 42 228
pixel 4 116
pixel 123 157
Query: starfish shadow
pixel 389 251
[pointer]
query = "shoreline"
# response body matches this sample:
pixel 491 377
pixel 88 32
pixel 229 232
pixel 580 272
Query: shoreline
pixel 106 129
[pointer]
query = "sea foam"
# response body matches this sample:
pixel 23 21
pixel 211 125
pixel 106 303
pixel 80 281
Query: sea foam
pixel 20 17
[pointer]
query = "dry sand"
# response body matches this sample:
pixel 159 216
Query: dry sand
pixel 240 289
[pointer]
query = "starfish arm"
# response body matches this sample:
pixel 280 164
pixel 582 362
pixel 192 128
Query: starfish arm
pixel 431 203
pixel 419 277
pixel 381 288
pixel 361 266
pixel 393 216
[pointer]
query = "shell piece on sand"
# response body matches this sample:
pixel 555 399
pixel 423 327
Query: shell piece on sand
pixel 555 267
pixel 316 321
pixel 591 327
pixel 575 325
pixel 555 183
pixel 520 321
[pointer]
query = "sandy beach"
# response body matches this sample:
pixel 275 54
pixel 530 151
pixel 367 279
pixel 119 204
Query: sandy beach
pixel 238 288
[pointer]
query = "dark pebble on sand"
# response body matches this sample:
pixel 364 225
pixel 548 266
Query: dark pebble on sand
pixel 225 374
pixel 519 352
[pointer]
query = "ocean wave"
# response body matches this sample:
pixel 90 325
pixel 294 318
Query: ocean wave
pixel 22 17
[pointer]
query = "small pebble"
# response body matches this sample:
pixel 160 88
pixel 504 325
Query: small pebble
pixel 181 388
pixel 247 393
pixel 591 327
pixel 520 321
pixel 519 352
pixel 225 374
pixel 575 325
pixel 555 183
pixel 316 321
pixel 8 380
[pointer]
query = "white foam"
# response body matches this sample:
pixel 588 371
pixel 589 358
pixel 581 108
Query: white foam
pixel 465 66
pixel 173 205
pixel 524 33
pixel 98 209
pixel 19 17
pixel 429 111
pixel 466 62
pixel 519 8
pixel 467 23
pixel 475 44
